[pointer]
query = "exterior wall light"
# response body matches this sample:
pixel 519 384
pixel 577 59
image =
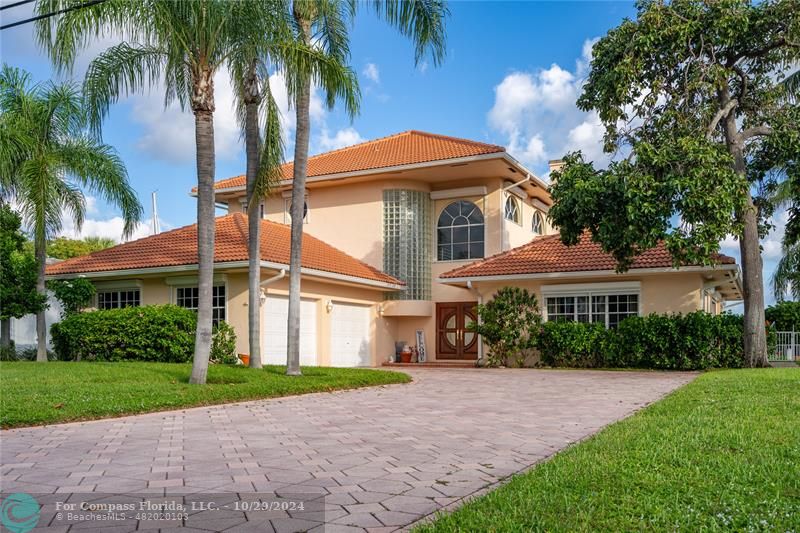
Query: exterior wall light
pixel 329 306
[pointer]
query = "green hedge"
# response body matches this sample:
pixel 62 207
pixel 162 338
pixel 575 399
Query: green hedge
pixel 159 333
pixel 693 341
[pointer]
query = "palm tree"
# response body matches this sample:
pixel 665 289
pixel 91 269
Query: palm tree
pixel 325 22
pixel 53 156
pixel 273 46
pixel 183 43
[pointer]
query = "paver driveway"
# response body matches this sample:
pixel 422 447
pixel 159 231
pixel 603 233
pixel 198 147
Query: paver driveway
pixel 381 457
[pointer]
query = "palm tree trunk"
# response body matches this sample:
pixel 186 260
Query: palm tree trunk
pixel 301 137
pixel 755 335
pixel 204 138
pixel 41 322
pixel 253 149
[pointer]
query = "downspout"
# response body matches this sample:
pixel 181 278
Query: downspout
pixel 277 277
pixel 503 210
pixel 480 339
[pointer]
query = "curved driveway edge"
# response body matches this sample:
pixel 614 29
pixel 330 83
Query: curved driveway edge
pixel 377 458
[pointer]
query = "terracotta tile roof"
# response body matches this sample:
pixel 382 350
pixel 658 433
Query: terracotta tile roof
pixel 544 255
pixel 179 247
pixel 404 148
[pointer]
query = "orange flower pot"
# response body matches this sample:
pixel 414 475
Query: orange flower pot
pixel 245 359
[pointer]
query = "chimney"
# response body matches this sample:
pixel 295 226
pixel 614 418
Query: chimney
pixel 554 164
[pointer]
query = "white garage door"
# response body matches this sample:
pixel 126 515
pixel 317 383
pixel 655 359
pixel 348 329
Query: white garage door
pixel 273 328
pixel 350 335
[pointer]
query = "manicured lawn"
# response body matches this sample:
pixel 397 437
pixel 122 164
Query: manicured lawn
pixel 44 393
pixel 722 453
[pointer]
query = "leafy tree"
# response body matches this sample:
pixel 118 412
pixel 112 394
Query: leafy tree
pixel 509 324
pixel 785 316
pixel 54 157
pixel 326 22
pixel 691 90
pixel 184 43
pixel 66 248
pixel 18 296
pixel 73 294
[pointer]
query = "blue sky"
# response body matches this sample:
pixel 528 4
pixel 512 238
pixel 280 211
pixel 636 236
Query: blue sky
pixel 511 76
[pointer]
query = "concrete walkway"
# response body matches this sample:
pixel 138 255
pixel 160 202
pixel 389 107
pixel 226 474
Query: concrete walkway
pixel 377 459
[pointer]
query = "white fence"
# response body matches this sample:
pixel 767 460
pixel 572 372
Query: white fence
pixel 787 347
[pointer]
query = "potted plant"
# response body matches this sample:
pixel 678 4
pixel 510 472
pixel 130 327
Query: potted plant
pixel 405 354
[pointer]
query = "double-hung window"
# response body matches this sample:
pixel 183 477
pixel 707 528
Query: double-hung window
pixel 189 298
pixel 603 303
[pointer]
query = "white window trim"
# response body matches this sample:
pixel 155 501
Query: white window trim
pixel 435 230
pixel 287 207
pixel 116 287
pixel 518 204
pixel 592 289
pixel 173 293
pixel 537 213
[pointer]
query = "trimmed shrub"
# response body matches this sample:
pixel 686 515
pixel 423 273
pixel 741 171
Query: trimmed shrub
pixel 784 316
pixel 223 345
pixel 508 324
pixel 694 341
pixel 158 333
pixel 573 344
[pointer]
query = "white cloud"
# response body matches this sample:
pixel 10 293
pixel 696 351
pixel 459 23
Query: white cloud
pixel 372 73
pixel 110 228
pixel 423 67
pixel 771 245
pixel 343 137
pixel 169 133
pixel 536 111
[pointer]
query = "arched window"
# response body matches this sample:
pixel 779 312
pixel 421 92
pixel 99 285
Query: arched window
pixel 512 210
pixel 460 232
pixel 537 226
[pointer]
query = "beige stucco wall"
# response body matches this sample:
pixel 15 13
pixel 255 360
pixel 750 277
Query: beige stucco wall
pixel 155 290
pixel 677 292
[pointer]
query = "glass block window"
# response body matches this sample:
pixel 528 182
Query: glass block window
pixel 606 309
pixel 460 232
pixel 512 210
pixel 118 298
pixel 407 242
pixel 189 298
pixel 537 225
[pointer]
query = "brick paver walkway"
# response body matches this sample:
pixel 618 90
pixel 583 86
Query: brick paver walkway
pixel 382 458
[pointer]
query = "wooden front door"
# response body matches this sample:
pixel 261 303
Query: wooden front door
pixel 453 340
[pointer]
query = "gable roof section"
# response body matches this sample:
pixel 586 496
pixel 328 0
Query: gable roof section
pixel 179 247
pixel 406 148
pixel 548 255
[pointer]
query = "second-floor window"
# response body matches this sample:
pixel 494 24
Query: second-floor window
pixel 512 210
pixel 537 225
pixel 460 232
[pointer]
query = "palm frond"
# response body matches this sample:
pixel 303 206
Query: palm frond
pixel 122 69
pixel 423 21
pixel 786 277
pixel 272 149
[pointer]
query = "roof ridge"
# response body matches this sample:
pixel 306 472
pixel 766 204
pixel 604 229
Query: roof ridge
pixel 455 139
pixel 363 143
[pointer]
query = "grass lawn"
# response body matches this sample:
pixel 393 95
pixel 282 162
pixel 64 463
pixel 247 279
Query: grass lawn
pixel 44 393
pixel 722 453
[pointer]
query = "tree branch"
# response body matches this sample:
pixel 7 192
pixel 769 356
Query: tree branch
pixel 755 131
pixel 722 113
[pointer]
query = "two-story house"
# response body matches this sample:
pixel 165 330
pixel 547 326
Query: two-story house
pixel 403 234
